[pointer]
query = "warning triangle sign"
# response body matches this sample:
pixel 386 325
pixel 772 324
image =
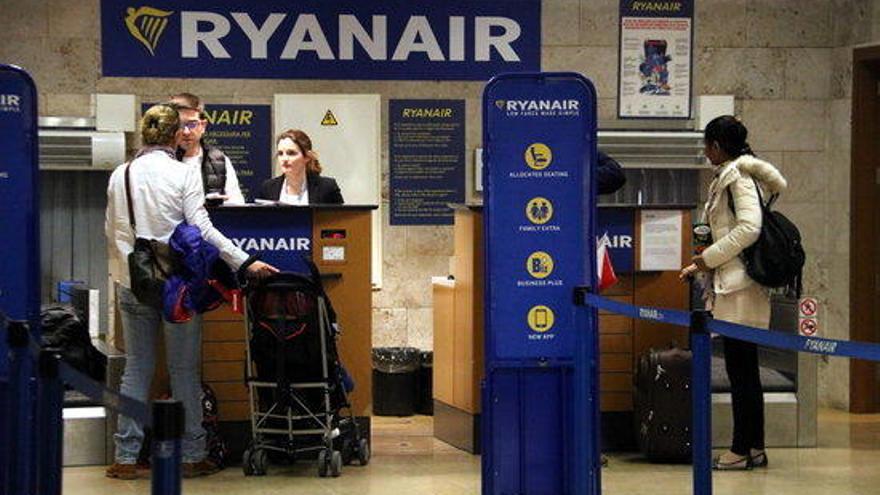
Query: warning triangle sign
pixel 329 119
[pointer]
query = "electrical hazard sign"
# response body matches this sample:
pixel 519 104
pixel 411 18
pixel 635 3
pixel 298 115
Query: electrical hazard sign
pixel 329 119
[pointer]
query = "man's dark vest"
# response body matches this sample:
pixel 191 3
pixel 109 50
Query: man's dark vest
pixel 213 170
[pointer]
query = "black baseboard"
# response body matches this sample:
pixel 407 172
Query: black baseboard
pixel 618 432
pixel 456 427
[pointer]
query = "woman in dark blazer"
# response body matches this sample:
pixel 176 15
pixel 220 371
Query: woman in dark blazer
pixel 301 182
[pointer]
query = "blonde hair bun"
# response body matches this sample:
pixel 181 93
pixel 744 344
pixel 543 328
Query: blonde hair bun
pixel 159 125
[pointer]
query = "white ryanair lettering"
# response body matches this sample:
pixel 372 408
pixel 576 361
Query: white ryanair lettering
pixel 826 347
pixel 539 105
pixel 11 100
pixel 620 241
pixel 10 103
pixel 493 37
pixel 272 244
pixel 651 314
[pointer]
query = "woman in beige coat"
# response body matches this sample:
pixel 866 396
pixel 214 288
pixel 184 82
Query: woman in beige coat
pixel 733 295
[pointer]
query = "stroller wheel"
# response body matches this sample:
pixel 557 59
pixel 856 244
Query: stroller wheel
pixel 246 465
pixel 336 464
pixel 363 452
pixel 348 451
pixel 323 464
pixel 260 462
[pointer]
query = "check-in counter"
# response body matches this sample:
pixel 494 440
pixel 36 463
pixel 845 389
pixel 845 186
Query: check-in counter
pixel 648 246
pixel 340 240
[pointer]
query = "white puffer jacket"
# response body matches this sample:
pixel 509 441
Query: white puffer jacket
pixel 732 234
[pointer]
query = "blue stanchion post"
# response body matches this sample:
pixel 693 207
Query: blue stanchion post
pixel 167 432
pixel 50 423
pixel 701 402
pixel 19 469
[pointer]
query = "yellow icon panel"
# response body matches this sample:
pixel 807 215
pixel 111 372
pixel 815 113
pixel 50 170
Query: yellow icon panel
pixel 539 210
pixel 539 264
pixel 540 318
pixel 538 156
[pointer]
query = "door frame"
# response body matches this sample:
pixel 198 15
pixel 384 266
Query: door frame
pixel 864 225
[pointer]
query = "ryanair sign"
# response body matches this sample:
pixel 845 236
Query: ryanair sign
pixel 316 39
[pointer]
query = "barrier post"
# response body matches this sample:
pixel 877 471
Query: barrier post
pixel 50 423
pixel 701 402
pixel 167 432
pixel 19 474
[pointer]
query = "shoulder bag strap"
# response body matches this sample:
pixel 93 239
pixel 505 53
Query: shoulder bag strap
pixel 131 220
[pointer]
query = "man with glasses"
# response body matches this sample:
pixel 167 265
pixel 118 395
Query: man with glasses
pixel 218 175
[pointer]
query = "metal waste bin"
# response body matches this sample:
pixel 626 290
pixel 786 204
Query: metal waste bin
pixel 395 380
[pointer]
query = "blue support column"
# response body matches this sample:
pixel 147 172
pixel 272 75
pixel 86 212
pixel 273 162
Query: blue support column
pixel 167 432
pixel 50 423
pixel 19 468
pixel 701 402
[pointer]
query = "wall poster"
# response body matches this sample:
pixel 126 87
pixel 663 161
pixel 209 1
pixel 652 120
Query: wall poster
pixel 427 160
pixel 655 71
pixel 242 132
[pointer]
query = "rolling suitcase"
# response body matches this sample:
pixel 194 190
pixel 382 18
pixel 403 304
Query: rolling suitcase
pixel 663 405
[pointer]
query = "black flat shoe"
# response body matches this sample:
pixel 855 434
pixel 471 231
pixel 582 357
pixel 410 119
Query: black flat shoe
pixel 759 460
pixel 744 463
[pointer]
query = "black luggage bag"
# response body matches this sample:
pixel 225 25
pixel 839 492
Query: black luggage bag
pixel 663 405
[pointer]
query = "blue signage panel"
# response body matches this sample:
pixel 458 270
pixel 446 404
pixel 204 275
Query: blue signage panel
pixel 281 235
pixel 540 398
pixel 426 155
pixel 244 133
pixel 19 275
pixel 539 193
pixel 619 225
pixel 316 39
pixel 19 210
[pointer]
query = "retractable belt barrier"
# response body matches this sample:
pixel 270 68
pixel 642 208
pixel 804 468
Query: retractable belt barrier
pixel 700 325
pixel 165 418
pixel 762 336
pixel 122 404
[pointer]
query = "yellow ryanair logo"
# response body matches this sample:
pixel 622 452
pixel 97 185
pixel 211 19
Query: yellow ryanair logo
pixel 146 25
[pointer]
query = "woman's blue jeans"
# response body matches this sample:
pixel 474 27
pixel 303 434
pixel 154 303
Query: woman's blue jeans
pixel 183 343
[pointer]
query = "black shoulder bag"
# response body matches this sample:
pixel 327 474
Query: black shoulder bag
pixel 150 263
pixel 777 258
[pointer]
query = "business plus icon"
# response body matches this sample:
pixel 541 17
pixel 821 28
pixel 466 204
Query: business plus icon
pixel 146 25
pixel 539 265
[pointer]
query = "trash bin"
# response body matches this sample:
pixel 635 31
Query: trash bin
pixel 395 380
pixel 425 404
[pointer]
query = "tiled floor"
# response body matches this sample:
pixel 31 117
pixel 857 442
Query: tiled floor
pixel 409 461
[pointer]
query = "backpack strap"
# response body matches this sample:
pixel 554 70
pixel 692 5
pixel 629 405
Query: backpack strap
pixel 732 206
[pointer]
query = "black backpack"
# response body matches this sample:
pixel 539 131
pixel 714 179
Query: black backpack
pixel 62 327
pixel 777 258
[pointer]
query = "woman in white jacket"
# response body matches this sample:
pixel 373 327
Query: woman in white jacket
pixel 733 295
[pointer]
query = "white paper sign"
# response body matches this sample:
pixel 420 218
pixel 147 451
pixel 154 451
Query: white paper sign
pixel 660 240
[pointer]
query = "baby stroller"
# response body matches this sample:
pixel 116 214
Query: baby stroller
pixel 297 386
